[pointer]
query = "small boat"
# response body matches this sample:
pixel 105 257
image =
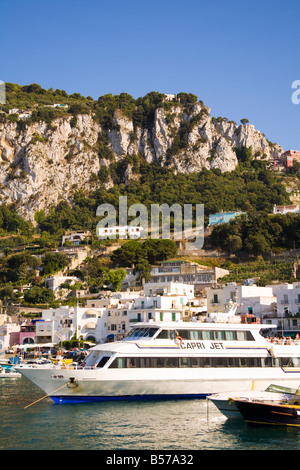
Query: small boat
pixel 9 373
pixel 264 412
pixel 226 402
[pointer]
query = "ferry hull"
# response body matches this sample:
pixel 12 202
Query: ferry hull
pixel 68 385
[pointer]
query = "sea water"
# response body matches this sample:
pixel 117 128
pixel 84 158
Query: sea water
pixel 136 425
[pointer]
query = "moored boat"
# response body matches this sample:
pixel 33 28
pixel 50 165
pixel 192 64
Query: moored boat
pixel 174 360
pixel 9 373
pixel 226 402
pixel 272 413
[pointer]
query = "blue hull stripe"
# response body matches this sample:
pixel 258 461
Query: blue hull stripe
pixel 87 399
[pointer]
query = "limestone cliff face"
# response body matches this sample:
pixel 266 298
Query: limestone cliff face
pixel 45 163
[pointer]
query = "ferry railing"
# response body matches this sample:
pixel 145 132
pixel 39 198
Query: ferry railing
pixel 285 341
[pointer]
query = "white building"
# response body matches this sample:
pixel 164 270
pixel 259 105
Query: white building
pixel 123 232
pixel 251 299
pixel 90 324
pixel 165 288
pixel 287 316
pixel 286 209
pixel 76 238
pixel 6 328
pixel 157 308
pixel 276 304
pixel 54 283
pixel 186 272
pixel 61 324
pixel 169 301
pixel 170 97
pixel 58 105
pixel 56 325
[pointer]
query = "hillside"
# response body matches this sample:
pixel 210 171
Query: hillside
pixel 88 145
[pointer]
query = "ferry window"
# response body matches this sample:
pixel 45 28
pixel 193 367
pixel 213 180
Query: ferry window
pixel 118 363
pixel 133 362
pixel 133 333
pixel 266 362
pixel 240 335
pixel 218 335
pixel 276 362
pixel 142 332
pixel 145 362
pixel 164 334
pixel 184 334
pixel 285 362
pixel 200 362
pixel 232 362
pixel 103 361
pixel 244 336
pixel 205 362
pixel 150 332
pixel 295 361
pixel 243 362
pixel 219 362
pixel 172 362
pixel 194 361
pixel 249 336
pixel 206 334
pixel 230 335
pixel 195 334
pixel 184 362
pixel 157 362
pixel 253 362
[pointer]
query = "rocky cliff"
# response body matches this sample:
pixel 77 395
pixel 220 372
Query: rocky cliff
pixel 42 163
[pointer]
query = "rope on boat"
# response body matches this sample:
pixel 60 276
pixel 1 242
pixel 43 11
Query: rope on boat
pixel 45 396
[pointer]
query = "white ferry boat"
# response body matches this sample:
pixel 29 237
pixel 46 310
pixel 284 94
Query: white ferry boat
pixel 174 360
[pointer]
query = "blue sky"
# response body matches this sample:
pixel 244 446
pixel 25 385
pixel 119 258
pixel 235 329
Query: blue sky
pixel 240 58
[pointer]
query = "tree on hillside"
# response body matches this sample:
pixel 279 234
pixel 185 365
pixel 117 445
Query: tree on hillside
pixel 39 295
pixel 94 272
pixel 116 278
pixel 128 254
pixel 54 262
pixel 143 270
pixel 157 250
pixel 150 250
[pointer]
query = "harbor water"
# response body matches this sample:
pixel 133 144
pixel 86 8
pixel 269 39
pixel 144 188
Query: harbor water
pixel 126 425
